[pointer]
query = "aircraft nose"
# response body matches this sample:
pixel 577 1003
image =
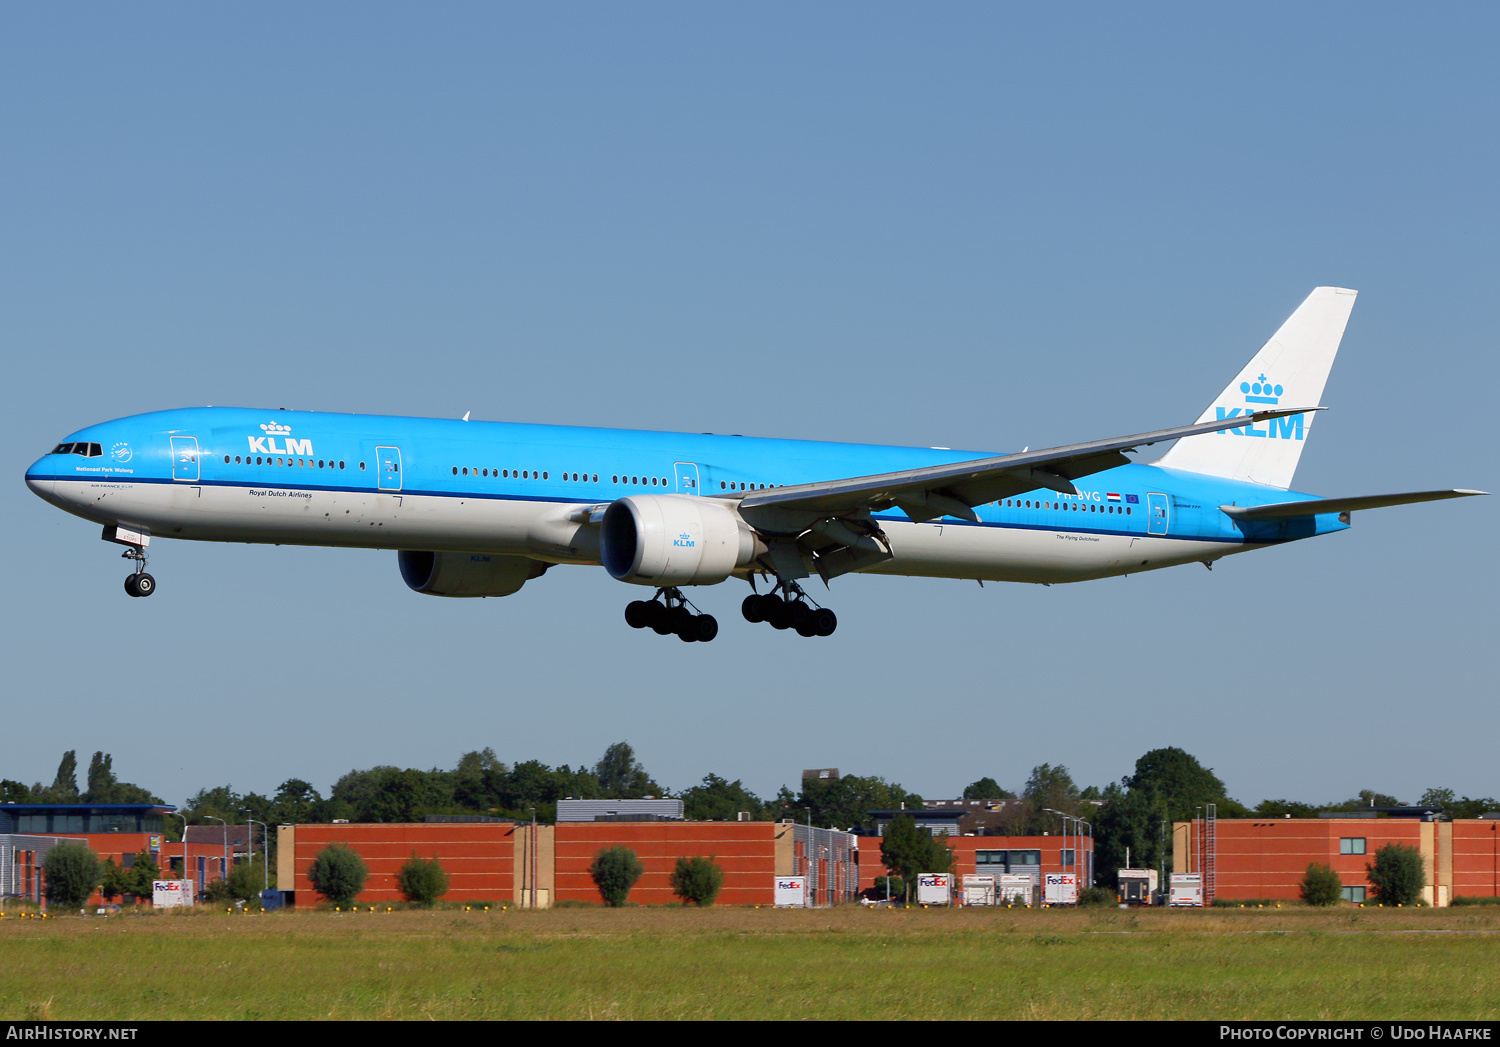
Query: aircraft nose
pixel 40 484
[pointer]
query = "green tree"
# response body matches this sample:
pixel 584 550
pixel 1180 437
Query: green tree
pixel 1048 787
pixel 475 780
pixel 892 887
pixel 248 879
pixel 844 802
pixel 15 792
pixel 1128 827
pixel 390 794
pixel 101 778
pixel 219 802
pixel 64 787
pixel 697 880
pixel 1183 783
pixel 1167 785
pixel 621 776
pixel 139 880
pixel 1321 885
pixel 111 880
pixel 986 789
pixel 72 872
pixel 219 892
pixel 1453 806
pixel 1397 874
pixel 338 874
pixel 908 851
pixel 422 881
pixel 1366 799
pixel 295 802
pixel 719 801
pixel 615 871
pixel 1284 809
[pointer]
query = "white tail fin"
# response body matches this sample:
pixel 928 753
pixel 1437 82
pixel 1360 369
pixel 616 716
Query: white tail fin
pixel 1289 369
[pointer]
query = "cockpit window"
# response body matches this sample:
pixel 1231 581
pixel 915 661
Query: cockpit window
pixel 85 449
pixel 63 449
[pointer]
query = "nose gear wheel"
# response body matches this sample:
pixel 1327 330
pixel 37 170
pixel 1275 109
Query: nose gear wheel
pixel 140 583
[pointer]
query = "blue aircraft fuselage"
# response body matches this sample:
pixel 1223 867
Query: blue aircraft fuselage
pixel 238 474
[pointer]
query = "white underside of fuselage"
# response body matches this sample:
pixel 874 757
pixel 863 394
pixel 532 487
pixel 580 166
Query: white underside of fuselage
pixel 545 531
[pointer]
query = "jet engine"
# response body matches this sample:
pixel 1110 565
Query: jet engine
pixel 467 574
pixel 667 540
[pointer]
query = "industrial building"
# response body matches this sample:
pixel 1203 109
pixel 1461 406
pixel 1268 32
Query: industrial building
pixel 1266 858
pixel 116 831
pixel 523 864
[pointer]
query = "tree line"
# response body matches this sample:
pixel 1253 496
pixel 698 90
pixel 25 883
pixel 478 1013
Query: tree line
pixel 1126 817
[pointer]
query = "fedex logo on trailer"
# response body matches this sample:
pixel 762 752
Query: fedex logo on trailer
pixel 934 889
pixel 171 892
pixel 1262 391
pixel 791 892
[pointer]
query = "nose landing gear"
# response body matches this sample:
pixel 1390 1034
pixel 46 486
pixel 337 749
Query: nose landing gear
pixel 139 583
pixel 790 611
pixel 669 612
pixel 135 540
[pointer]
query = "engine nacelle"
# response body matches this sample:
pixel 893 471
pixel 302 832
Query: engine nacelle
pixel 674 539
pixel 467 574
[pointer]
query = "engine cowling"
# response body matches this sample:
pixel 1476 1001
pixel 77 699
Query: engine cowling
pixel 674 540
pixel 467 574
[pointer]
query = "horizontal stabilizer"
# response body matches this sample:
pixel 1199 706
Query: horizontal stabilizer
pixel 1318 506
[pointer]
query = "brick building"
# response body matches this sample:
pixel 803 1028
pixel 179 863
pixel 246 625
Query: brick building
pixel 116 831
pixel 1267 857
pixel 502 862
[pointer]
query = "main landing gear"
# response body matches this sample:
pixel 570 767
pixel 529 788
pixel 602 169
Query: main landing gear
pixel 140 583
pixel 669 613
pixel 792 611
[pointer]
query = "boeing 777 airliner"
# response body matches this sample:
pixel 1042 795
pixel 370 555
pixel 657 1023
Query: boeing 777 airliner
pixel 480 508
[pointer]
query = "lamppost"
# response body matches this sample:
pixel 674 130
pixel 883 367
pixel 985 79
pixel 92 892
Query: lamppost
pixel 184 877
pixel 265 849
pixel 224 867
pixel 533 857
pixel 1065 818
pixel 1089 870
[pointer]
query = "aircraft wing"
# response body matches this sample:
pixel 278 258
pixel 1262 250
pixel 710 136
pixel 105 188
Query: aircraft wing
pixel 1318 506
pixel 954 489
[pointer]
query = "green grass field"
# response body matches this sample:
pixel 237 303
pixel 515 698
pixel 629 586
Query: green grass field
pixel 1290 963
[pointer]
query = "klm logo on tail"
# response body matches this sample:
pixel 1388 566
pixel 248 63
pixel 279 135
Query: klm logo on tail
pixel 1262 391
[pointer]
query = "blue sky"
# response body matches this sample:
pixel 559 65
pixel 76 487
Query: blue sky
pixel 972 225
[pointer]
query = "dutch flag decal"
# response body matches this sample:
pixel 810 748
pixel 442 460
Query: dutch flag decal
pixel 1112 496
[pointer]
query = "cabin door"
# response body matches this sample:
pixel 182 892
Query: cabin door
pixel 1156 510
pixel 687 477
pixel 388 468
